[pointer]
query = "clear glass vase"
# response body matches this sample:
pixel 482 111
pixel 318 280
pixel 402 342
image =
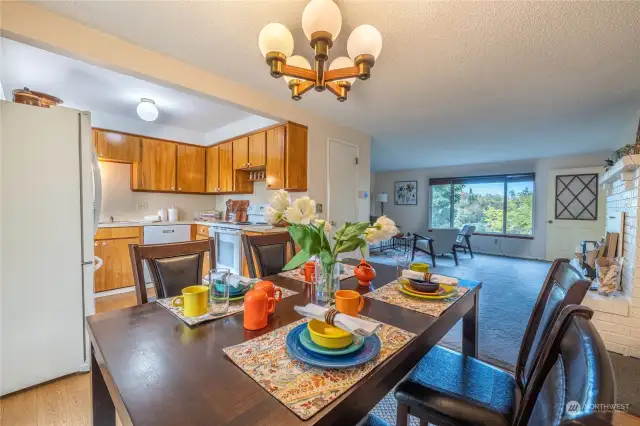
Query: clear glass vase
pixel 327 282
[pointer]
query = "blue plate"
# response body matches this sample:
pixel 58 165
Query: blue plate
pixel 308 343
pixel 232 291
pixel 369 350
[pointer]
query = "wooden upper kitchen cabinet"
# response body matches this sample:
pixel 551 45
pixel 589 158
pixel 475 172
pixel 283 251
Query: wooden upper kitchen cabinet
pixel 275 158
pixel 115 146
pixel 156 170
pixel 226 167
pixel 191 168
pixel 296 157
pixel 213 169
pixel 240 153
pixel 258 149
pixel 287 157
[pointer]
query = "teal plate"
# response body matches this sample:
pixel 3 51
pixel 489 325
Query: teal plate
pixel 305 340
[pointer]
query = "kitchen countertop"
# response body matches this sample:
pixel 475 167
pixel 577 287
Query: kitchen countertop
pixel 265 229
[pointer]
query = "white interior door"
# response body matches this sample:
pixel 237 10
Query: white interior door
pixel 571 208
pixel 342 182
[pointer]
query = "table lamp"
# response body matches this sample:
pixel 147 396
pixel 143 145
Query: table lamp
pixel 382 198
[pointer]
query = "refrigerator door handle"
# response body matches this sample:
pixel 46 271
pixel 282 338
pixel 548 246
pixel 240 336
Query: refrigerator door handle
pixel 97 190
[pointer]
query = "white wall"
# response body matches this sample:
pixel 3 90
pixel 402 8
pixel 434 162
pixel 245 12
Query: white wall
pixel 37 26
pixel 120 202
pixel 416 218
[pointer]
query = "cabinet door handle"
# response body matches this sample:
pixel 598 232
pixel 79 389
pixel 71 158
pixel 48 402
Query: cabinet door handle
pixel 173 187
pixel 105 244
pixel 179 189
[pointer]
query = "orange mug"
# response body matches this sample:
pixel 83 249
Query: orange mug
pixel 309 271
pixel 270 289
pixel 257 307
pixel 349 302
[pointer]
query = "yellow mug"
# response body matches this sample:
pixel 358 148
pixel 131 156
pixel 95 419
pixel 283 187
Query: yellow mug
pixel 419 267
pixel 194 300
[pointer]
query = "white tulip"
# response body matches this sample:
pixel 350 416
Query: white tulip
pixel 371 235
pixel 301 212
pixel 386 227
pixel 323 223
pixel 271 215
pixel 280 200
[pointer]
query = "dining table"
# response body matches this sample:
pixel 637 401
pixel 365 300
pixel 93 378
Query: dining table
pixel 153 369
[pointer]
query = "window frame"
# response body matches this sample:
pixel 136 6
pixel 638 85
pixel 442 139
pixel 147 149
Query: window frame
pixel 505 179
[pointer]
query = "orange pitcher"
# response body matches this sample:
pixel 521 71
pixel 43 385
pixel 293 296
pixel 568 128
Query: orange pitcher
pixel 257 306
pixel 271 290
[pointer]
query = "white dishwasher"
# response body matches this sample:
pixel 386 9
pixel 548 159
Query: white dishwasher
pixel 163 234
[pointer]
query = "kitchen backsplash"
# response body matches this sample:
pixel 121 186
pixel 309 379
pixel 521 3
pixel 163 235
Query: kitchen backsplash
pixel 120 202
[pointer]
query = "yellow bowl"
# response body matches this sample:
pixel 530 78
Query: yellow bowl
pixel 328 336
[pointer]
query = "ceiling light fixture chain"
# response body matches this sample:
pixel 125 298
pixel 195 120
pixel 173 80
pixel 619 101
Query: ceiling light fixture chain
pixel 321 23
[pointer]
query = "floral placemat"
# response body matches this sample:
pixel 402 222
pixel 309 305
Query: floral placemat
pixel 390 293
pixel 295 274
pixel 302 388
pixel 234 308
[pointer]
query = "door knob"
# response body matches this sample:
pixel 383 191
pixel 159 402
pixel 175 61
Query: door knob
pixel 549 221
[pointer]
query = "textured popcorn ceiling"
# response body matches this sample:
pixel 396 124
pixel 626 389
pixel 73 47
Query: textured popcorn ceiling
pixel 455 83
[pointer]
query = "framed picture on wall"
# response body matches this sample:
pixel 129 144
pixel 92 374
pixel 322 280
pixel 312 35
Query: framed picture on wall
pixel 406 193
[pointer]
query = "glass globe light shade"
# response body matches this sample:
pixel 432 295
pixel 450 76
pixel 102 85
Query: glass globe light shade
pixel 147 110
pixel 364 40
pixel 321 15
pixel 296 61
pixel 275 37
pixel 342 62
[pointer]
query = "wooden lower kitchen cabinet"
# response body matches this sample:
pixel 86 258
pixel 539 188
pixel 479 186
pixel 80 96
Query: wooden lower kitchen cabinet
pixel 112 246
pixel 202 233
pixel 116 271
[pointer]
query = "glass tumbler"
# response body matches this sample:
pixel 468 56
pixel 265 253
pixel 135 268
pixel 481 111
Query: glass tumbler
pixel 403 261
pixel 218 291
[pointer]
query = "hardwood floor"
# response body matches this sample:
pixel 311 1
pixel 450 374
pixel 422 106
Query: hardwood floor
pixel 67 401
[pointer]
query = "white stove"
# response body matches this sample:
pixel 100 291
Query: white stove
pixel 228 240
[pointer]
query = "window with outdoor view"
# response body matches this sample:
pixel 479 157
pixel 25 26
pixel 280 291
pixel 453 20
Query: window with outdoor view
pixel 500 205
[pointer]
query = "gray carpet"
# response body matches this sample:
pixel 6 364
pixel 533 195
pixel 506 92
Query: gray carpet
pixel 509 291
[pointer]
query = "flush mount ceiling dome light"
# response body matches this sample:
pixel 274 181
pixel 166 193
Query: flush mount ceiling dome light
pixel 321 23
pixel 147 109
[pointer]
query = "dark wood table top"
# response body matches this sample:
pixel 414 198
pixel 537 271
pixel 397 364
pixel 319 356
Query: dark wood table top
pixel 159 371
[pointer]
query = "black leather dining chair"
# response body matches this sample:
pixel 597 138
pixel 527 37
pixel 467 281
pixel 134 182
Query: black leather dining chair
pixel 449 388
pixel 572 380
pixel 267 254
pixel 172 266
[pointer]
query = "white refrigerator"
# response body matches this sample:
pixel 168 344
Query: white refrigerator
pixel 49 185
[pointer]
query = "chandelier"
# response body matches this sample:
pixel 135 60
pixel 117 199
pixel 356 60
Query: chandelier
pixel 321 23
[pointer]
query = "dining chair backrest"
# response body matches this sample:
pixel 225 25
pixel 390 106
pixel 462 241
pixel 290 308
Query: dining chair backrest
pixel 267 254
pixel 470 230
pixel 443 239
pixel 172 266
pixel 563 286
pixel 573 382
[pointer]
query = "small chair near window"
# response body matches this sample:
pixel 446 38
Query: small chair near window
pixel 438 242
pixel 463 240
pixel 172 266
pixel 271 252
